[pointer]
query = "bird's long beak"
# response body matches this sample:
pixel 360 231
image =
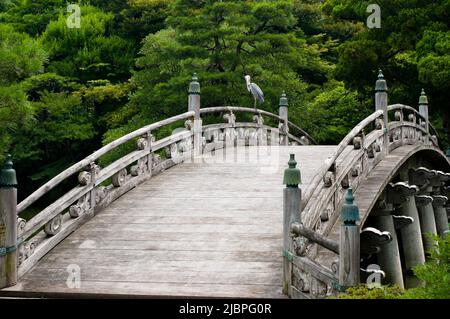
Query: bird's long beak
pixel 247 80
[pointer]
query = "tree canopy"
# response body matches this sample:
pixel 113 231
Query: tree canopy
pixel 130 63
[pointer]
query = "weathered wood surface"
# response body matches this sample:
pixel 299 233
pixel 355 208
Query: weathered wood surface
pixel 367 194
pixel 210 228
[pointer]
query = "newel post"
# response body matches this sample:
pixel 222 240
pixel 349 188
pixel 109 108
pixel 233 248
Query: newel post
pixel 284 123
pixel 291 214
pixel 423 110
pixel 349 248
pixel 194 105
pixel 8 225
pixel 381 103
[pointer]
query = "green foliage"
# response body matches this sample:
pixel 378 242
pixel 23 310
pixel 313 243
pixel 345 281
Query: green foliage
pixel 142 17
pixel 15 112
pixel 412 48
pixel 331 113
pixel 35 85
pixel 223 41
pixel 89 52
pixel 59 119
pixel 56 137
pixel 32 16
pixel 107 101
pixel 131 61
pixel 435 273
pixel 20 56
pixel 362 291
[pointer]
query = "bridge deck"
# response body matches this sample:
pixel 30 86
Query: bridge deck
pixel 210 229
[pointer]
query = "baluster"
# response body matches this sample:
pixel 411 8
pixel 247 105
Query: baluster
pixel 150 139
pixel 423 110
pixel 381 103
pixel 93 171
pixel 194 105
pixel 284 123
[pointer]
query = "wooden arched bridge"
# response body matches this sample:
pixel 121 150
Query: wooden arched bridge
pixel 203 213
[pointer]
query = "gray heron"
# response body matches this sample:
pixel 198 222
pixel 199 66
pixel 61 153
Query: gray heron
pixel 255 90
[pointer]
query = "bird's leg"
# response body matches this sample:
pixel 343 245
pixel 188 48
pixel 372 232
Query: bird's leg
pixel 254 105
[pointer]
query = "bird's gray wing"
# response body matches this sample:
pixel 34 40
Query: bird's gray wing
pixel 257 92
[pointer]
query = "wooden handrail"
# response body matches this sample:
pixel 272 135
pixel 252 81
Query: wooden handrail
pixel 301 230
pixel 218 109
pixel 399 106
pixel 341 147
pixel 94 156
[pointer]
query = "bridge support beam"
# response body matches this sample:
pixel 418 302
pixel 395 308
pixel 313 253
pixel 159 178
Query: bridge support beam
pixel 440 214
pixel 412 236
pixel 427 222
pixel 8 225
pixel 389 255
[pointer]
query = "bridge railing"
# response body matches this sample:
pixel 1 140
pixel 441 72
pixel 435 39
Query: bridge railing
pixel 358 153
pixel 258 122
pixel 388 128
pixel 97 187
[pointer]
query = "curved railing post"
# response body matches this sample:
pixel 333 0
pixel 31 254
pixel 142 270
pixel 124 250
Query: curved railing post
pixel 194 105
pixel 381 103
pixel 349 248
pixel 423 110
pixel 8 225
pixel 284 124
pixel 291 210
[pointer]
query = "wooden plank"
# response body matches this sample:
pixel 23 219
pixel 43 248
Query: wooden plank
pixel 190 220
pixel 147 256
pixel 148 234
pixel 127 289
pixel 75 242
pixel 125 274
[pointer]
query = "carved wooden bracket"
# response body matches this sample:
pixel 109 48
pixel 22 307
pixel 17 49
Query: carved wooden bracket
pixel 423 200
pixel 421 176
pixel 53 226
pixel 372 239
pixel 439 200
pixel 398 193
pixel 402 221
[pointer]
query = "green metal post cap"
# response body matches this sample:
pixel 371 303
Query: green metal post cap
pixel 349 212
pixel 194 86
pixel 292 175
pixel 423 100
pixel 381 85
pixel 8 174
pixel 283 100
